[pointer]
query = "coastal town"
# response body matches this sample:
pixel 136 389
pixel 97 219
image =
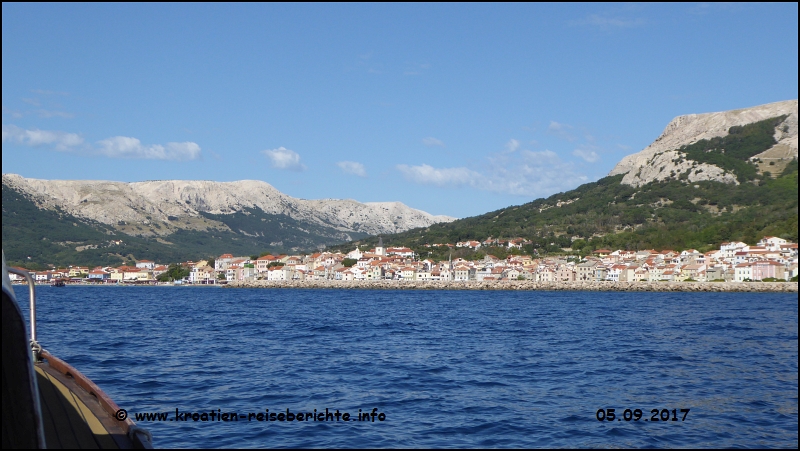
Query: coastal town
pixel 771 259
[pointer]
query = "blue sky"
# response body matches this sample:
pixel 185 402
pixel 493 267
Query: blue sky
pixel 452 109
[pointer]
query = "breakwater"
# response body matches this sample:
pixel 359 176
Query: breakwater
pixel 526 285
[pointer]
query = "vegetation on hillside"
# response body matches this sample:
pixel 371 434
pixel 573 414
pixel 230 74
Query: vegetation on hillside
pixel 174 272
pixel 733 151
pixel 672 214
pixel 33 237
pixel 290 233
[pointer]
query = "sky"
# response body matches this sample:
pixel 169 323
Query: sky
pixel 454 109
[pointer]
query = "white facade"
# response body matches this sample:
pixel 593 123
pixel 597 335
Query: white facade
pixel 743 272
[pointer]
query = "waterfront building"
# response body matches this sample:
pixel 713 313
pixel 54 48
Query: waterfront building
pixel 744 271
pixel 146 264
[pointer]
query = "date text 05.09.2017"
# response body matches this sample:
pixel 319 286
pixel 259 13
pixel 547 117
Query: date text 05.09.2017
pixel 636 415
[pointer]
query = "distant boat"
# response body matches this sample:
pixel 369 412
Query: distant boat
pixel 58 283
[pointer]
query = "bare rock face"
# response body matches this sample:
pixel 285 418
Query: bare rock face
pixel 177 204
pixel 663 166
pixel 663 157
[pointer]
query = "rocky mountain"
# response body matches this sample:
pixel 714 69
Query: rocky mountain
pixel 181 219
pixel 665 156
pixel 707 179
pixel 166 205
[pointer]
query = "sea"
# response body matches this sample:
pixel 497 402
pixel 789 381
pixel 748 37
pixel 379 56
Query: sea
pixel 498 369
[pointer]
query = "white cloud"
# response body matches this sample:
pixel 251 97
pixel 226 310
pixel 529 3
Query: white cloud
pixel 606 22
pixel 512 145
pixel 352 167
pixel 283 158
pixel 432 142
pixel 126 147
pixel 563 131
pixel 534 174
pixel 416 68
pixel 61 140
pixel 717 7
pixel 540 157
pixel 525 173
pixel 13 113
pixel 426 174
pixel 45 92
pixel 588 155
pixel 114 147
pixel 49 113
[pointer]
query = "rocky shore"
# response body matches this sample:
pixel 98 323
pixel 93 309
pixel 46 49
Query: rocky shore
pixel 527 285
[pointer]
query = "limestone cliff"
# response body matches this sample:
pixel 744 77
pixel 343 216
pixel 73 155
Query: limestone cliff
pixel 177 204
pixel 663 158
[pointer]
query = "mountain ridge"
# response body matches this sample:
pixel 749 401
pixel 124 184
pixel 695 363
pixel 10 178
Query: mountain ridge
pixel 172 204
pixel 664 155
pixel 726 176
pixel 706 179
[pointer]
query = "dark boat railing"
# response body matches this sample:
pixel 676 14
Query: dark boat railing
pixel 36 348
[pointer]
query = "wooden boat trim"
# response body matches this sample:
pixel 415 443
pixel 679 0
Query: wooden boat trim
pixel 73 418
pixel 85 383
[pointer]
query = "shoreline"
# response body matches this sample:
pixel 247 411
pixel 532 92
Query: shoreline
pixel 162 284
pixel 526 285
pixel 507 285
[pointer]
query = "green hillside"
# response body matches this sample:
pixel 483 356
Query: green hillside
pixel 673 214
pixel 34 237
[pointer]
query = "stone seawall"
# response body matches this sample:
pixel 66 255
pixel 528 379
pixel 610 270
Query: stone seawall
pixel 526 285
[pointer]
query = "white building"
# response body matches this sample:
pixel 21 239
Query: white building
pixel 772 243
pixel 380 250
pixel 744 271
pixel 355 254
pixel 146 264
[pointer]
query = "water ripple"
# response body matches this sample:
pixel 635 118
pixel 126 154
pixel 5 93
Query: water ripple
pixel 448 369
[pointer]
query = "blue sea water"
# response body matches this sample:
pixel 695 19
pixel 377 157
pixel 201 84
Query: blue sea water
pixel 446 368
